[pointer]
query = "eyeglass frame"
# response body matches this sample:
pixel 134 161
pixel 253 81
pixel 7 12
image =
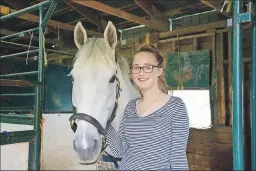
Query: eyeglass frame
pixel 157 66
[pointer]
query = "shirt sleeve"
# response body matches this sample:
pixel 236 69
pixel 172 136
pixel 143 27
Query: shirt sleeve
pixel 116 140
pixel 180 133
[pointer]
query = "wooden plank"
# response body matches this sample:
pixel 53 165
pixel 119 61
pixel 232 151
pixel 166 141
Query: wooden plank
pixel 193 167
pixel 16 83
pixel 222 84
pixel 193 29
pixel 55 24
pixel 225 164
pixel 203 161
pixel 121 14
pixel 186 37
pixel 230 76
pixel 208 148
pixel 209 136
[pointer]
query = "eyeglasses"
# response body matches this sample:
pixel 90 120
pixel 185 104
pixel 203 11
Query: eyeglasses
pixel 146 69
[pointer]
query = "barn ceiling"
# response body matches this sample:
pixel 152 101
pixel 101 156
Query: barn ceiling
pixel 95 14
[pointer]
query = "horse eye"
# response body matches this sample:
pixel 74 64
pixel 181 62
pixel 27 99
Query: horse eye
pixel 113 78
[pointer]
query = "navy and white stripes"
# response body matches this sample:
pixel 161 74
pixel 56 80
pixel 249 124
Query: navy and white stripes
pixel 154 142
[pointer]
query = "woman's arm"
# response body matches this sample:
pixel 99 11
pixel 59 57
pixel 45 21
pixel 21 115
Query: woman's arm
pixel 116 140
pixel 180 133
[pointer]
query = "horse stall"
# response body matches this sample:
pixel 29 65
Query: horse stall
pixel 210 53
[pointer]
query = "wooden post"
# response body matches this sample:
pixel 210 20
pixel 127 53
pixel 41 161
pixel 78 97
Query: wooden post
pixel 195 43
pixel 230 76
pixel 222 84
pixel 215 114
pixel 218 99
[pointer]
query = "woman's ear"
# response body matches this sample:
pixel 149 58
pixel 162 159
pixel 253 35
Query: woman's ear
pixel 160 71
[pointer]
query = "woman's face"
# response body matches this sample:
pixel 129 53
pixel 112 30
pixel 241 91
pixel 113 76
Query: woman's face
pixel 144 70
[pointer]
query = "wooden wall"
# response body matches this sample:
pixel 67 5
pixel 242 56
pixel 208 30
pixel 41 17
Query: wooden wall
pixel 211 149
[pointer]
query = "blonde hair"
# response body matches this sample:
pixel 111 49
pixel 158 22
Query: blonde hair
pixel 161 64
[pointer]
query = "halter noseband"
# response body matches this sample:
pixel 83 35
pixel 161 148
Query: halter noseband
pixel 94 122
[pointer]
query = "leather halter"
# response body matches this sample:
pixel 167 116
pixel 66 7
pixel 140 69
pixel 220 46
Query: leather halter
pixel 94 122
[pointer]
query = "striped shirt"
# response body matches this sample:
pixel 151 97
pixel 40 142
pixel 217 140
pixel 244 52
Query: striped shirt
pixel 154 142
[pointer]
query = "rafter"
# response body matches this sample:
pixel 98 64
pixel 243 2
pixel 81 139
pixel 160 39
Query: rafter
pixel 150 9
pixel 215 4
pixel 17 4
pixel 55 24
pixel 156 16
pixel 122 14
pixel 184 9
pixel 88 14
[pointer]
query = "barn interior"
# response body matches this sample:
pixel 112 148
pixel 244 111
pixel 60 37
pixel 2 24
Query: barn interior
pixel 198 29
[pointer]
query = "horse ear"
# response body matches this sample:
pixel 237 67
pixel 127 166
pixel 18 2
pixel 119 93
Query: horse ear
pixel 80 35
pixel 110 35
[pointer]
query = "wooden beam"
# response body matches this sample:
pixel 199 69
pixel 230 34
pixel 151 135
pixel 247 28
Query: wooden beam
pixel 193 29
pixel 156 16
pixel 88 14
pixel 150 9
pixel 222 82
pixel 216 4
pixel 121 14
pixel 183 9
pixel 55 24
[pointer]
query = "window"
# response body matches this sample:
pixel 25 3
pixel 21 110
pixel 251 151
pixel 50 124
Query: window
pixel 198 106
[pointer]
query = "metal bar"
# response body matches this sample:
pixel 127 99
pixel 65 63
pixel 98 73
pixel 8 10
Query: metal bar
pixel 17 109
pixel 238 153
pixel 19 74
pixel 38 97
pixel 253 93
pixel 24 11
pixel 17 34
pixel 16 83
pixel 18 54
pixel 25 119
pixel 49 13
pixel 16 137
pixel 34 47
pixel 18 94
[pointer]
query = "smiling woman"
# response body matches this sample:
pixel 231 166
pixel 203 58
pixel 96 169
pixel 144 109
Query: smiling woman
pixel 154 130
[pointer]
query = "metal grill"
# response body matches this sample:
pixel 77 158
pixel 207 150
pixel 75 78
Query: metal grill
pixel 26 115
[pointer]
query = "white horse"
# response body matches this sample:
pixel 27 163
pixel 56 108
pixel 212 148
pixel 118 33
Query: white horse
pixel 96 74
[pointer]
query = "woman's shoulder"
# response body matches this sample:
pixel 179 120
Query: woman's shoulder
pixel 177 107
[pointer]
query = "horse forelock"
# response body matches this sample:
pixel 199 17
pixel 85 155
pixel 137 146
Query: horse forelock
pixel 94 54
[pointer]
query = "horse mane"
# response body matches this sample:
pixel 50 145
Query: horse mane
pixel 94 51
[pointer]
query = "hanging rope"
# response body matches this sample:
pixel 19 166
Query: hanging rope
pixel 42 135
pixel 180 81
pixel 45 55
pixel 31 37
